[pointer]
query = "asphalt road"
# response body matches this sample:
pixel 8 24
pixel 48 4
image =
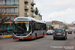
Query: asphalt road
pixel 46 43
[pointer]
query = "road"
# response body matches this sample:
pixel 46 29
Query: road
pixel 46 43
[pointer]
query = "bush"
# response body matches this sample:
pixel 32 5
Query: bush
pixel 51 27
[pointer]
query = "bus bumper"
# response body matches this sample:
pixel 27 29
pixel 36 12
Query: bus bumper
pixel 29 37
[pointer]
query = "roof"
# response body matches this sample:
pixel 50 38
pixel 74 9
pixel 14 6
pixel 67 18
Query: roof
pixel 28 19
pixel 56 22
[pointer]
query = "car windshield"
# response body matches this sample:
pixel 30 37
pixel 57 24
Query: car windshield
pixel 59 30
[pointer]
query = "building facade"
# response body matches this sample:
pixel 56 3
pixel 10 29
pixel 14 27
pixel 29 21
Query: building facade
pixel 58 25
pixel 38 17
pixel 71 26
pixel 18 8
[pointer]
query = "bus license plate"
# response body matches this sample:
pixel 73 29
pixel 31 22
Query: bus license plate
pixel 21 37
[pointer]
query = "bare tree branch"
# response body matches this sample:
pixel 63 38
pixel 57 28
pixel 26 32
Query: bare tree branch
pixel 3 16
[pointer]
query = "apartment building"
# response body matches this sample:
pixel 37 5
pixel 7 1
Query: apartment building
pixel 18 8
pixel 38 17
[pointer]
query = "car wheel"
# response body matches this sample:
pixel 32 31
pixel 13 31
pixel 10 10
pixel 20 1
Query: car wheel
pixel 54 38
pixel 64 38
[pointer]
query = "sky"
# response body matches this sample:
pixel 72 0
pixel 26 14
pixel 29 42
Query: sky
pixel 60 10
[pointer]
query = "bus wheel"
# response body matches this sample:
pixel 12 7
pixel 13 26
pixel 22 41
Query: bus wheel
pixel 35 36
pixel 43 34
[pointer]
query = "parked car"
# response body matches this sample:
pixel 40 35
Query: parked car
pixel 59 33
pixel 74 31
pixel 70 32
pixel 50 32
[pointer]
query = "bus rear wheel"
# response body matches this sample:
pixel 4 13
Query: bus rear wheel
pixel 43 34
pixel 35 36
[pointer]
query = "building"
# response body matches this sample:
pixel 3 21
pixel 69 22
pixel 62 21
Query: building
pixel 26 8
pixel 48 24
pixel 17 8
pixel 38 17
pixel 58 25
pixel 71 26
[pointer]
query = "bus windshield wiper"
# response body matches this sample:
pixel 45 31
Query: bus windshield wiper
pixel 20 28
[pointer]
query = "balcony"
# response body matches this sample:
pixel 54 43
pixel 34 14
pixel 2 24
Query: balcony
pixel 26 1
pixel 32 15
pixel 32 2
pixel 9 5
pixel 26 14
pixel 26 7
pixel 10 13
pixel 32 9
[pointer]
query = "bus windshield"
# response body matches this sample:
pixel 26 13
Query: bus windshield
pixel 22 26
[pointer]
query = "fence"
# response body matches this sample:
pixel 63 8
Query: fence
pixel 5 35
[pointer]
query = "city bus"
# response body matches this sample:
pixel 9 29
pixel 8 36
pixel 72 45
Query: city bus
pixel 28 28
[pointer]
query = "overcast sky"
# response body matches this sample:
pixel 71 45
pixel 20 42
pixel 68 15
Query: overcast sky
pixel 61 10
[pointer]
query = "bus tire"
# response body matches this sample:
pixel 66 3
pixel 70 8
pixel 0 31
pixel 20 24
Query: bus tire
pixel 43 35
pixel 35 36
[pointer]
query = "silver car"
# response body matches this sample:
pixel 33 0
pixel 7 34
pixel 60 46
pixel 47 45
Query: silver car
pixel 50 32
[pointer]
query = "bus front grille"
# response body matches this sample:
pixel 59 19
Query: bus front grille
pixel 21 35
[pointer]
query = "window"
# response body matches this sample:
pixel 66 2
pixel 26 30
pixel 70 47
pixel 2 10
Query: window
pixel 16 10
pixel 3 2
pixel 16 1
pixel 12 10
pixel 8 2
pixel 3 10
pixel 2 26
pixel 37 26
pixel 12 18
pixel 8 10
pixel 12 2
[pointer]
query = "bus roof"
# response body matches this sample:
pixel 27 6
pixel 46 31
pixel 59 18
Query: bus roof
pixel 28 19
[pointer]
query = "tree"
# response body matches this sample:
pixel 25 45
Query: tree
pixel 3 16
pixel 36 11
pixel 51 27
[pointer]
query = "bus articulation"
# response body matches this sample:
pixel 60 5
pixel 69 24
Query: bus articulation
pixel 28 28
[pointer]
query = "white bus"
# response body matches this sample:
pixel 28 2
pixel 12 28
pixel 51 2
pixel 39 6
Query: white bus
pixel 28 28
